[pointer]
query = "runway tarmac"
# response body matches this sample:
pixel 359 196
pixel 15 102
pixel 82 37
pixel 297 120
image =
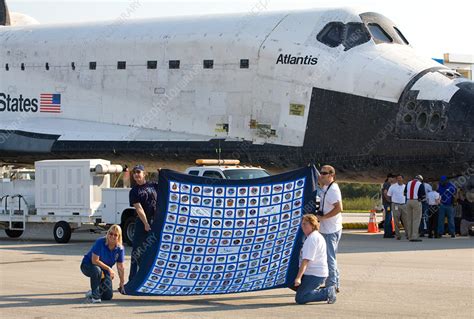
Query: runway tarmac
pixel 380 278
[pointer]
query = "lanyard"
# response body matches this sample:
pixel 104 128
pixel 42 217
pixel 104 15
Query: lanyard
pixel 324 198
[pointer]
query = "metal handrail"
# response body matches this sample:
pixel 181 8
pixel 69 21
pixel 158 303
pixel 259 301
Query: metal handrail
pixel 6 201
pixel 20 197
pixel 12 212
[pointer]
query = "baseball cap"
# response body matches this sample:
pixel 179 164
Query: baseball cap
pixel 419 177
pixel 139 167
pixel 443 178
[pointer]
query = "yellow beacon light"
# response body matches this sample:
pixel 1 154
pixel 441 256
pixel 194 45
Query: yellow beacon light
pixel 217 162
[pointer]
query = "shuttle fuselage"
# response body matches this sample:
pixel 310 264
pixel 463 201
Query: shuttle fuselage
pixel 278 89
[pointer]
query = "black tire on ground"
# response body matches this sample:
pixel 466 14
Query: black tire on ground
pixel 62 232
pixel 128 229
pixel 13 233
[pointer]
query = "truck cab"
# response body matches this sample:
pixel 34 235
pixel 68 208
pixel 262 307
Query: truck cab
pixel 225 169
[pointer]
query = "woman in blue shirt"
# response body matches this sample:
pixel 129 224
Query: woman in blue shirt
pixel 98 262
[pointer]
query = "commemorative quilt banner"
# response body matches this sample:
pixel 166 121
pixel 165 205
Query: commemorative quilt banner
pixel 215 236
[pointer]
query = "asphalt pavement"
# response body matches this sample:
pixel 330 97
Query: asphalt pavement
pixel 380 278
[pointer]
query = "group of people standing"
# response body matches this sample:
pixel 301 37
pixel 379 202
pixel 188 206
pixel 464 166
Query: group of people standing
pixel 421 207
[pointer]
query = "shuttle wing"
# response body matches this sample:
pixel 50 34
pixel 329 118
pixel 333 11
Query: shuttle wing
pixel 39 135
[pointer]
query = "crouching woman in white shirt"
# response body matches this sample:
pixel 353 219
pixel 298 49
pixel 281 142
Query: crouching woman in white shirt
pixel 313 266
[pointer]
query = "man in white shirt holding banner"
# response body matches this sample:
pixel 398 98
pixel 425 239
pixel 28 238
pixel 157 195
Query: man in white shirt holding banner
pixel 330 219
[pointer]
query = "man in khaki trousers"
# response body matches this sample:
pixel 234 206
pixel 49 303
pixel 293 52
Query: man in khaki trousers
pixel 396 195
pixel 415 193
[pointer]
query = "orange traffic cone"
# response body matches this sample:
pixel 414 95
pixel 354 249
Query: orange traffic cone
pixel 373 227
pixel 391 220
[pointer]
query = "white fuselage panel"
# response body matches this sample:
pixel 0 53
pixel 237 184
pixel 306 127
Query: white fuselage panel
pixel 265 103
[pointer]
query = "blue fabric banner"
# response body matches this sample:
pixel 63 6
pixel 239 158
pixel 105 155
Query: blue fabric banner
pixel 215 236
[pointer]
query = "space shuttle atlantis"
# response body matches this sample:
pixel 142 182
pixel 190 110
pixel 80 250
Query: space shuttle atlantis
pixel 278 89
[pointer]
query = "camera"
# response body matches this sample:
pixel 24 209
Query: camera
pixel 319 213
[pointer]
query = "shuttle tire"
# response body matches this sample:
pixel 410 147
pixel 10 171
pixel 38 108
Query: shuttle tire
pixel 62 232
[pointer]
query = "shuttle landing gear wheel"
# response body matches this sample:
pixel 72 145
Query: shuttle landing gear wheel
pixel 62 232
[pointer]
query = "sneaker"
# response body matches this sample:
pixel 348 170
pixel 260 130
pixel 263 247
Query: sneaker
pixel 399 238
pixel 89 294
pixel 338 290
pixel 331 295
pixel 453 236
pixel 96 300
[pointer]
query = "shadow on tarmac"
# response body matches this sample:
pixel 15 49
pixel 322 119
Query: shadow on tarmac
pixel 201 304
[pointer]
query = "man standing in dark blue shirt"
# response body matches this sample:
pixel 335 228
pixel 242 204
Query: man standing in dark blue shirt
pixel 143 196
pixel 387 227
pixel 447 190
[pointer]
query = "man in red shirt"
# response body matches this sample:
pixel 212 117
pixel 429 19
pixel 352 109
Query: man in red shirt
pixel 415 193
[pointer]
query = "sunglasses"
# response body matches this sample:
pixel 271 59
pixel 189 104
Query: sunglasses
pixel 113 234
pixel 324 173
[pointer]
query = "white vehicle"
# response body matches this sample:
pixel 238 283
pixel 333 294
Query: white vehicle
pixel 73 194
pixel 77 195
pixel 225 169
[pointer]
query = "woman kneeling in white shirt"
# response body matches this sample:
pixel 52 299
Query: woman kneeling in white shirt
pixel 313 266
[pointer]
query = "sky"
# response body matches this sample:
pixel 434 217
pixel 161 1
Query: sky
pixel 432 27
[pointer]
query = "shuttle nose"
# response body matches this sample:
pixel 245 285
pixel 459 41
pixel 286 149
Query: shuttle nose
pixel 427 113
pixel 461 105
pixel 460 113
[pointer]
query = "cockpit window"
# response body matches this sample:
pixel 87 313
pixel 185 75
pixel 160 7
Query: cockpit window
pixel 349 35
pixel 450 74
pixel 331 35
pixel 356 34
pixel 400 34
pixel 379 34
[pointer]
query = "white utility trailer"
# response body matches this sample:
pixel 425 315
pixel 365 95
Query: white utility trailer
pixel 73 194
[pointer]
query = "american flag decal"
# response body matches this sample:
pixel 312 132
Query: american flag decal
pixel 50 103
